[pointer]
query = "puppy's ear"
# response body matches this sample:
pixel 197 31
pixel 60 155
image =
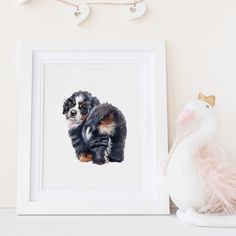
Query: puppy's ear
pixel 65 107
pixel 68 104
pixel 95 102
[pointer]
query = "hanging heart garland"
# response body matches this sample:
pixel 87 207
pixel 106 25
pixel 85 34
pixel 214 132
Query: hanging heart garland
pixel 23 1
pixel 137 10
pixel 81 11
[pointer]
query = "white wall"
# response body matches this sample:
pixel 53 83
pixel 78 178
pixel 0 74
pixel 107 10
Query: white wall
pixel 201 51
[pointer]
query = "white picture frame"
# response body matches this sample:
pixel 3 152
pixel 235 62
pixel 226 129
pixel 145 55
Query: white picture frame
pixel 32 198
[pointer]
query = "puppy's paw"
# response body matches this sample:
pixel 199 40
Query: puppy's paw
pixel 99 161
pixel 116 159
pixel 86 157
pixel 98 156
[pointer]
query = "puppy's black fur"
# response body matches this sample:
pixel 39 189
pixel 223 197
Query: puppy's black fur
pixel 87 103
pixel 105 119
pixel 95 129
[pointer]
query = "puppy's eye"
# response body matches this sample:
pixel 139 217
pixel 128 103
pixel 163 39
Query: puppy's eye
pixel 207 106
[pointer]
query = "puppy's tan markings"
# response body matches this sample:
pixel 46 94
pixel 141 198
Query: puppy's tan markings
pixel 107 124
pixel 86 157
pixel 83 118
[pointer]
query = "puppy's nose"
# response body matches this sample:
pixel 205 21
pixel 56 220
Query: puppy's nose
pixel 73 113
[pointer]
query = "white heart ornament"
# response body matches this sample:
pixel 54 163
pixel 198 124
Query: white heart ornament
pixel 137 10
pixel 79 14
pixel 22 1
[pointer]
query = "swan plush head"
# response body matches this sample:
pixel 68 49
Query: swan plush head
pixel 195 114
pixel 197 110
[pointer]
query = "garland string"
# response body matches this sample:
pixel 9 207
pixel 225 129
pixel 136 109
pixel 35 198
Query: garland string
pixel 101 3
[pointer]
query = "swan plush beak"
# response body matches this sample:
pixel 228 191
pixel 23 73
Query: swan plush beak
pixel 186 116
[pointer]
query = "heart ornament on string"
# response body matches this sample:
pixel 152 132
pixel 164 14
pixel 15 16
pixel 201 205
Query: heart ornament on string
pixel 137 10
pixel 78 14
pixel 23 1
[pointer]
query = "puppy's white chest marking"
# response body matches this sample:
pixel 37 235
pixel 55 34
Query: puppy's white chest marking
pixel 72 124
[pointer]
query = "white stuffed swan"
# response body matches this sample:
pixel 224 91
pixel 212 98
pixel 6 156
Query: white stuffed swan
pixel 202 183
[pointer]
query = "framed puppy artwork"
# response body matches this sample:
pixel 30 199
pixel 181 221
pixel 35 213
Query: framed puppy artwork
pixel 92 128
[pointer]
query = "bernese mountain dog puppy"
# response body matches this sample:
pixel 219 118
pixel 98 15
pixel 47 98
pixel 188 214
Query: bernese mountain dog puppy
pixel 97 131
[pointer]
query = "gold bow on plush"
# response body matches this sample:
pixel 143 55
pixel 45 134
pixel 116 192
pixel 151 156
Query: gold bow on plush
pixel 209 99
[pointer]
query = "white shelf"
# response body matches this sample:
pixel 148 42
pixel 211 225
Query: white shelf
pixel 12 225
